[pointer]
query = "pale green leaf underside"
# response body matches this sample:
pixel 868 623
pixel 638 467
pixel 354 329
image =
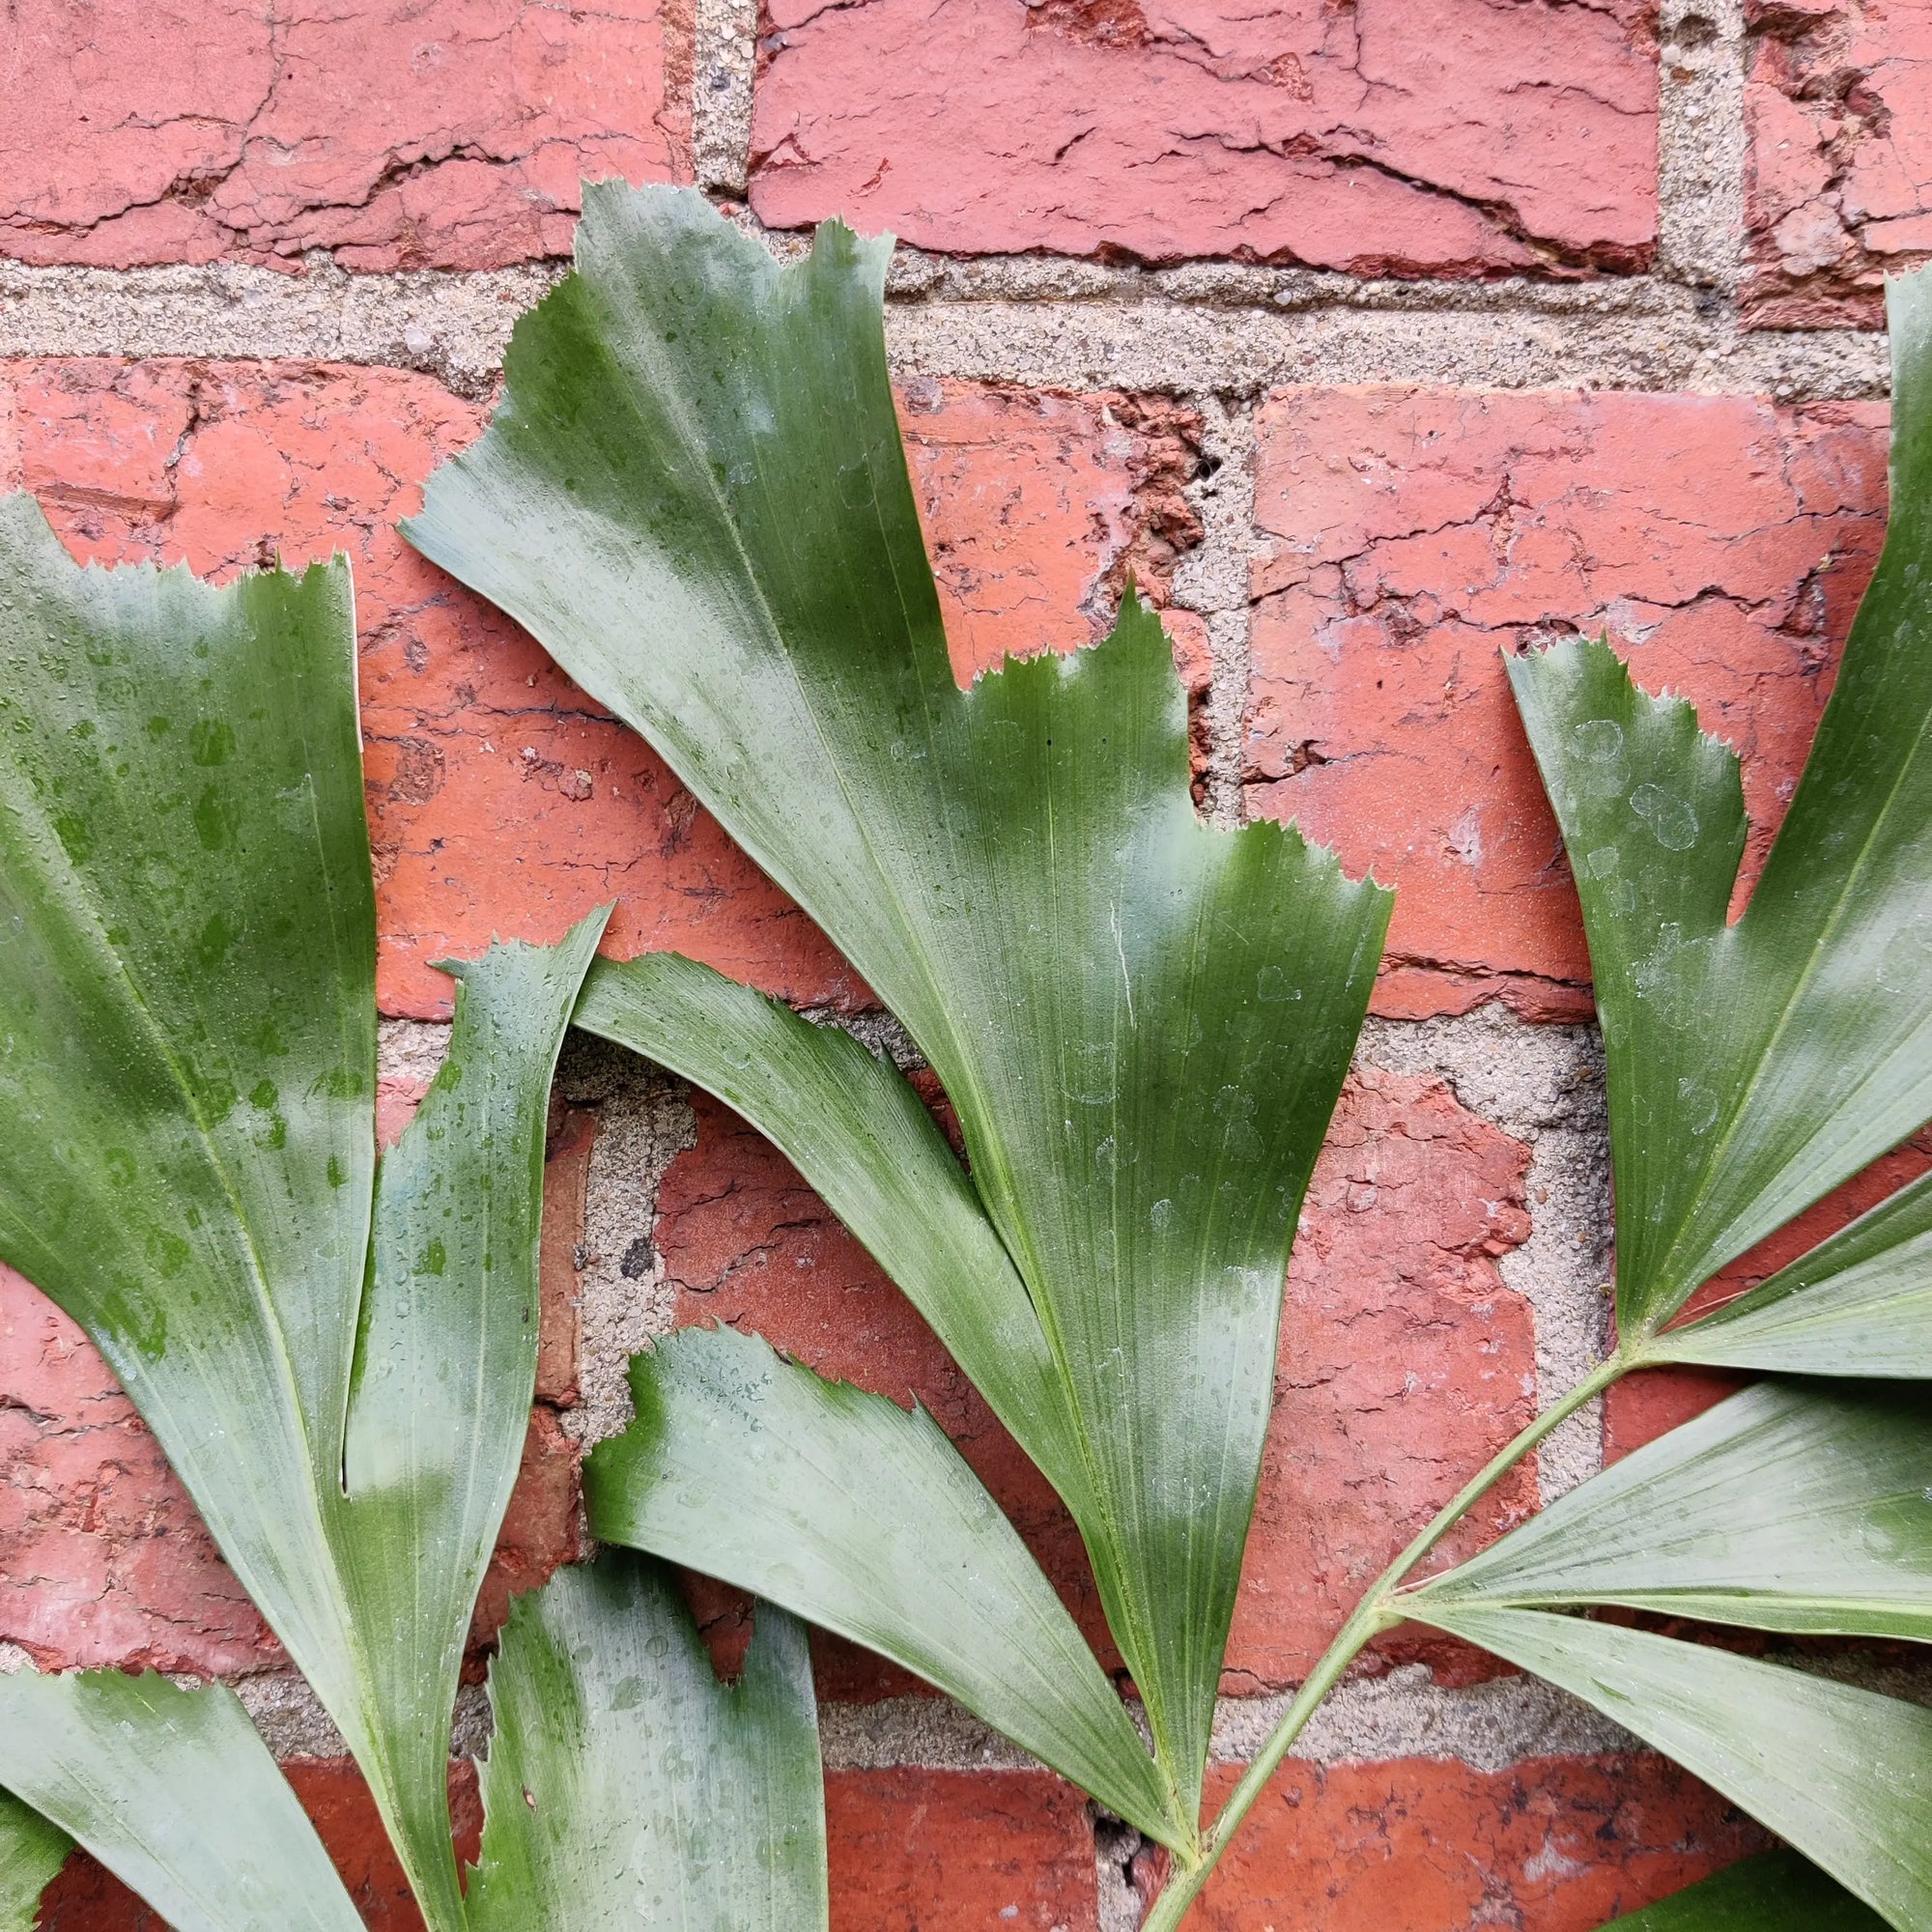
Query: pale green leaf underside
pixel 1789 1508
pixel 31 1852
pixel 1775 1891
pixel 188 1126
pixel 173 1791
pixel 865 1518
pixel 1858 1304
pixel 695 498
pixel 626 1787
pixel 1752 1067
pixel 1844 1774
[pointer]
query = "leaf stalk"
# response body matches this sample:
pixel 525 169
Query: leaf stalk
pixel 1378 1610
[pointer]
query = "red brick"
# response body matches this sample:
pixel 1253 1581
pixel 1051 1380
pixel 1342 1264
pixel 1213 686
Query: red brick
pixel 501 799
pixel 1404 1362
pixel 948 1851
pixel 1420 1845
pixel 450 134
pixel 1418 533
pixel 1838 165
pixel 84 1898
pixel 566 1183
pixel 103 1561
pixel 540 1525
pixel 1392 136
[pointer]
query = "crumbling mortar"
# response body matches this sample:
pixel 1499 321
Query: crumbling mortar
pixel 1216 337
pixel 721 101
pixel 644 1123
pixel 1213 580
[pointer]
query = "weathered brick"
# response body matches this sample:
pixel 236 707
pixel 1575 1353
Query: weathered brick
pixel 1838 165
pixel 1405 1362
pixel 1416 534
pixel 1392 136
pixel 500 799
pixel 451 134
pixel 103 1560
pixel 946 1851
pixel 1418 1846
pixel 566 1184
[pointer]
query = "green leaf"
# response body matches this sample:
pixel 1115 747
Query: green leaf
pixel 187 1157
pixel 843 1507
pixel 1753 1067
pixel 31 1852
pixel 1785 1508
pixel 626 1786
pixel 1840 1773
pixel 446 1364
pixel 1858 1304
pixel 1775 1892
pixel 694 496
pixel 173 1791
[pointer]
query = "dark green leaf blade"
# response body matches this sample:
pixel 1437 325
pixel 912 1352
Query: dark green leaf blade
pixel 31 1852
pixel 856 1129
pixel 446 1366
pixel 1858 1304
pixel 865 1518
pixel 187 1107
pixel 173 1791
pixel 694 496
pixel 1775 1892
pixel 1842 1774
pixel 626 1786
pixel 1785 1508
pixel 1753 1067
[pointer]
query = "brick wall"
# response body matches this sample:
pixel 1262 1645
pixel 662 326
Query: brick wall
pixel 1370 336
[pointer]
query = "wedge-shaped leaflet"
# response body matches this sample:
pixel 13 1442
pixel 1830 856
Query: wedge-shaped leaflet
pixel 626 1786
pixel 1858 1304
pixel 1752 1067
pixel 31 1852
pixel 1842 1774
pixel 447 1360
pixel 1775 1892
pixel 188 1126
pixel 1785 1508
pixel 694 496
pixel 175 1794
pixel 843 1507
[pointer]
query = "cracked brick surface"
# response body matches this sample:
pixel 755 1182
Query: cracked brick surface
pixel 501 799
pixel 1420 137
pixel 1405 1360
pixel 1420 1845
pixel 449 134
pixel 1413 536
pixel 1838 169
